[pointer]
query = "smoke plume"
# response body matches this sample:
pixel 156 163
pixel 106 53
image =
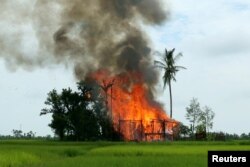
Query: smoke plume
pixel 88 34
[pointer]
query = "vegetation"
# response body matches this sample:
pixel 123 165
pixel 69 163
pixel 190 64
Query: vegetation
pixel 201 119
pixel 20 134
pixel 206 118
pixel 82 115
pixel 79 115
pixel 168 64
pixel 193 114
pixel 66 154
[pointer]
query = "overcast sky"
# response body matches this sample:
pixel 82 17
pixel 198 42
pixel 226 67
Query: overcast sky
pixel 214 37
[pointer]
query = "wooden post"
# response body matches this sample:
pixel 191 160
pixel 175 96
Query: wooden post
pixel 106 87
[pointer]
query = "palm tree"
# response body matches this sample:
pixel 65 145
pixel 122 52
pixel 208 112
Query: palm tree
pixel 170 69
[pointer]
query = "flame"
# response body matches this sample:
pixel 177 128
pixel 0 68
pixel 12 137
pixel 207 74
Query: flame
pixel 133 112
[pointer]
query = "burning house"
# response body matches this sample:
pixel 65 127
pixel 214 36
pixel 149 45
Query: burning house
pixel 105 40
pixel 134 112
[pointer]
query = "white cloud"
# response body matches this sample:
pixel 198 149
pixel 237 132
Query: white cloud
pixel 214 27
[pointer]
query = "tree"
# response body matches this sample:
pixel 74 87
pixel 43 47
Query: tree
pixel 30 134
pixel 206 118
pixel 244 136
pixel 104 119
pixel 193 113
pixel 184 130
pixel 201 119
pixel 78 115
pixel 98 106
pixel 59 115
pixel 17 133
pixel 200 128
pixel 168 64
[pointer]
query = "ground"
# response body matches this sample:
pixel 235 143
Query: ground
pixel 30 153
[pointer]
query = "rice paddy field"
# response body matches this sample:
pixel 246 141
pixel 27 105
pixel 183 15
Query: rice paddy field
pixel 28 153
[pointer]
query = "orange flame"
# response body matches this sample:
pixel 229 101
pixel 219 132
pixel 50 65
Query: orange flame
pixel 134 114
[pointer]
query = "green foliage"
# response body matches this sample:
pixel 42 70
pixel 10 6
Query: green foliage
pixel 193 113
pixel 200 128
pixel 168 64
pixel 201 119
pixel 79 115
pixel 30 134
pixel 17 133
pixel 184 129
pixel 206 118
pixel 183 132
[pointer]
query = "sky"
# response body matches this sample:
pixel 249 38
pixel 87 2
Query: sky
pixel 213 36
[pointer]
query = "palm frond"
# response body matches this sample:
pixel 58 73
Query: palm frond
pixel 159 63
pixel 160 67
pixel 174 79
pixel 169 67
pixel 181 67
pixel 178 56
pixel 171 53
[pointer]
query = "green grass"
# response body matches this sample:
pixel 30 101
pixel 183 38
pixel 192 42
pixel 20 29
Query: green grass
pixel 111 154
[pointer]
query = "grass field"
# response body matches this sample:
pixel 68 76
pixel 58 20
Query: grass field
pixel 110 154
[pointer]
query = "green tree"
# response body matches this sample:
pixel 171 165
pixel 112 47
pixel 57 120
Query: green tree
pixel 200 128
pixel 168 64
pixel 59 115
pixel 30 134
pixel 106 126
pixel 184 130
pixel 17 133
pixel 244 136
pixel 206 118
pixel 99 106
pixel 193 113
pixel 79 115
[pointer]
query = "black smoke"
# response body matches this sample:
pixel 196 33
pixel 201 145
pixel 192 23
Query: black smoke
pixel 89 34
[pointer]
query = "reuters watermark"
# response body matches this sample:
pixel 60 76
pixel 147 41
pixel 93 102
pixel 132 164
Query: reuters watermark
pixel 228 158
